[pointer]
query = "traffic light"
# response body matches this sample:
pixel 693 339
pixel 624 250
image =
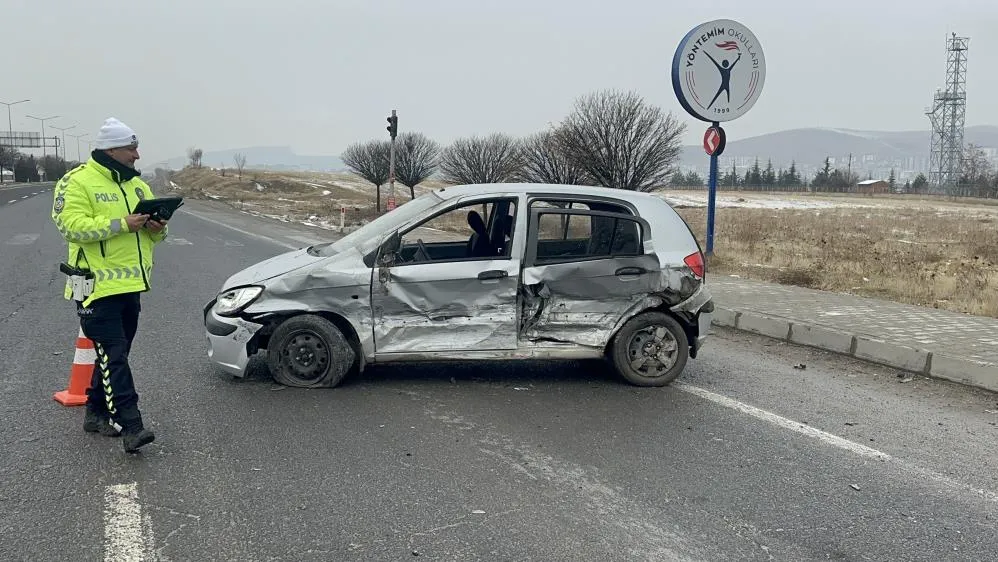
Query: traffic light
pixel 393 125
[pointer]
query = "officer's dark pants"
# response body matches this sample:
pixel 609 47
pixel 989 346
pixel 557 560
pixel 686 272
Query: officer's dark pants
pixel 111 323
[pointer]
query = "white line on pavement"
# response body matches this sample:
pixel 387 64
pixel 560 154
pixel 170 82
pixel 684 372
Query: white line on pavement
pixel 241 231
pixel 123 526
pixel 833 440
pixel 12 201
pixel 25 197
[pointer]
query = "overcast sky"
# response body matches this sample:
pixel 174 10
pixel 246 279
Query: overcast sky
pixel 318 75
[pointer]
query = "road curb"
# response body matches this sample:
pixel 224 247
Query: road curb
pixel 919 361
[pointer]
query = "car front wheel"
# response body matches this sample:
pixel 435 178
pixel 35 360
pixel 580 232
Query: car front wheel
pixel 309 351
pixel 651 349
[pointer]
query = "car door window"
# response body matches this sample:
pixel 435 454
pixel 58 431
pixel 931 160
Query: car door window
pixel 474 231
pixel 564 236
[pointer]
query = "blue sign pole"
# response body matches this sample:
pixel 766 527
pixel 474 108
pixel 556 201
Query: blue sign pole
pixel 711 196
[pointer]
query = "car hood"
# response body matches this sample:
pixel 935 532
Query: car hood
pixel 272 267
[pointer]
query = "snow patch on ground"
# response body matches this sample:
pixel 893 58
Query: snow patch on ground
pixel 757 202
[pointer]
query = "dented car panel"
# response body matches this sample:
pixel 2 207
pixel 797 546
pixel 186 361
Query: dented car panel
pixel 549 294
pixel 437 307
pixel 582 302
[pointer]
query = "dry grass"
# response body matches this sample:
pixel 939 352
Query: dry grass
pixel 945 260
pixel 291 196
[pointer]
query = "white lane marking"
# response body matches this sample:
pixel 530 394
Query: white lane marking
pixel 25 197
pixel 833 440
pixel 179 241
pixel 124 539
pixel 23 240
pixel 785 423
pixel 241 231
pixel 12 201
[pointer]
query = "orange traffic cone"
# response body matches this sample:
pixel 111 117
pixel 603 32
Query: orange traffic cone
pixel 79 374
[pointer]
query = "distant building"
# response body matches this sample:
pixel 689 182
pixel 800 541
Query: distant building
pixel 870 187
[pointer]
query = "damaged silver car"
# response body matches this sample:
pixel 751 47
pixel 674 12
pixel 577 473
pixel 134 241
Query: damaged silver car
pixel 477 272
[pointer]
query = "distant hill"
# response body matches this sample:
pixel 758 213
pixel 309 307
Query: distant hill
pixel 873 152
pixel 264 158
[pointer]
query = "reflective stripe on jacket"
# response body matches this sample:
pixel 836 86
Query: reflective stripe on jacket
pixel 89 209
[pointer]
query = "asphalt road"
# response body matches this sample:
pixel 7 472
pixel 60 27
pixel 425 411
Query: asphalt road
pixel 746 457
pixel 13 193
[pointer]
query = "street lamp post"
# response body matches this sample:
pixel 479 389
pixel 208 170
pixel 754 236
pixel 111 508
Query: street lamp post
pixel 78 137
pixel 63 129
pixel 43 120
pixel 10 131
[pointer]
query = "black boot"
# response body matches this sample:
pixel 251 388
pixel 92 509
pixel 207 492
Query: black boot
pixel 95 421
pixel 134 439
pixel 134 435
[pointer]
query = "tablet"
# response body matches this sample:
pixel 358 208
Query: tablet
pixel 162 208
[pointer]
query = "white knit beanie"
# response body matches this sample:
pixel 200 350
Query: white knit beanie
pixel 115 134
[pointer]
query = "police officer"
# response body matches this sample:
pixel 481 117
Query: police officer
pixel 93 209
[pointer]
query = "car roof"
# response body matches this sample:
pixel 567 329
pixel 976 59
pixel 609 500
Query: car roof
pixel 635 197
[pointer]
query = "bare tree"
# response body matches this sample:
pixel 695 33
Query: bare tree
pixel 496 158
pixel 621 141
pixel 370 161
pixel 977 173
pixel 194 156
pixel 415 160
pixel 543 162
pixel 240 160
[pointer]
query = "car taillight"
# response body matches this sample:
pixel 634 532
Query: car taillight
pixel 695 262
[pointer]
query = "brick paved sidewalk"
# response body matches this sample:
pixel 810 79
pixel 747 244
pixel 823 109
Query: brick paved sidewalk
pixel 948 344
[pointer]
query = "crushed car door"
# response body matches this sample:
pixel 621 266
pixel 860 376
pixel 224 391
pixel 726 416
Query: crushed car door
pixel 454 291
pixel 583 270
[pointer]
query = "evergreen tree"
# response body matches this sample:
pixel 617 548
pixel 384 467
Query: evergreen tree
pixel 693 178
pixel 823 177
pixel 753 179
pixel 730 178
pixel 769 177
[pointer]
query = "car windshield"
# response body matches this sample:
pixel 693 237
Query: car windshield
pixel 367 237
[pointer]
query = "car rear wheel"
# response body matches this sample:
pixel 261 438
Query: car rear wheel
pixel 651 349
pixel 309 351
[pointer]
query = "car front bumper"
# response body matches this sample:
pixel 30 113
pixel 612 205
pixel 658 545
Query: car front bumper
pixel 228 340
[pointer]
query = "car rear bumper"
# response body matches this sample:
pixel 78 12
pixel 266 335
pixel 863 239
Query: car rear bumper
pixel 228 341
pixel 699 308
pixel 703 325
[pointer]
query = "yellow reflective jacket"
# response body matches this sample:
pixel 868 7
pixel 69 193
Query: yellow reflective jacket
pixel 89 209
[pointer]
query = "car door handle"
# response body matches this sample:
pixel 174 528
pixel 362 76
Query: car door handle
pixel 492 274
pixel 630 271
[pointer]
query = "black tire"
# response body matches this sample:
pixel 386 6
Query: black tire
pixel 309 351
pixel 640 338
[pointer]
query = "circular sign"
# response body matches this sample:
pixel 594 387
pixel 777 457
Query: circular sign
pixel 714 141
pixel 718 71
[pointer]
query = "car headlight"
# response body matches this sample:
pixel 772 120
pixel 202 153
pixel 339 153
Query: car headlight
pixel 231 302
